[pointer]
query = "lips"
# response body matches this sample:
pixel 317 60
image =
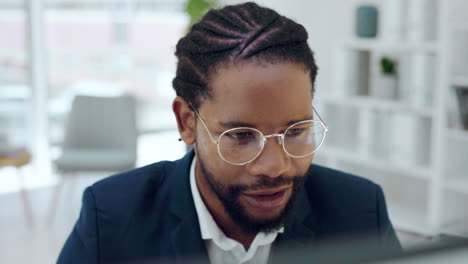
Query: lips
pixel 267 199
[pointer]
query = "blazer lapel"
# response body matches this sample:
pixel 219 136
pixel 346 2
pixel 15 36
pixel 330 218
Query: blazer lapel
pixel 186 237
pixel 301 230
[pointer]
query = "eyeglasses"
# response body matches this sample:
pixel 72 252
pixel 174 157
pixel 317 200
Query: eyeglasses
pixel 241 145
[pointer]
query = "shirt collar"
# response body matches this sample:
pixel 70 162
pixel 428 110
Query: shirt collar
pixel 208 227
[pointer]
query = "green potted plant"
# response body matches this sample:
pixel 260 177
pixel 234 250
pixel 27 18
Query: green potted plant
pixel 387 81
pixel 388 66
pixel 197 8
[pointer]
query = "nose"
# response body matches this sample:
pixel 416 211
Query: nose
pixel 272 161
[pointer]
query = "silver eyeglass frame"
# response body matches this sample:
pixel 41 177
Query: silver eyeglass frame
pixel 264 137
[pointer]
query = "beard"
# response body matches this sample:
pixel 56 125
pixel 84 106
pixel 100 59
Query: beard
pixel 229 197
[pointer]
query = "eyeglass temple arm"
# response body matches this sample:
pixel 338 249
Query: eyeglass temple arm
pixel 201 119
pixel 321 120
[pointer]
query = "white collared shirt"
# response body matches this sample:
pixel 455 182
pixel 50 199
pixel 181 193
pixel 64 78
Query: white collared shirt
pixel 222 249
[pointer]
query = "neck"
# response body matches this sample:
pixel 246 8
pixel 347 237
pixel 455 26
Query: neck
pixel 219 213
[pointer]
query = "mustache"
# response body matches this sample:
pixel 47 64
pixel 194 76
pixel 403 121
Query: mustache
pixel 267 182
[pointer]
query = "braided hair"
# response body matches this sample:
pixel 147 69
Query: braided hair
pixel 233 34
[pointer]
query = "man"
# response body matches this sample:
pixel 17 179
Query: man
pixel 245 84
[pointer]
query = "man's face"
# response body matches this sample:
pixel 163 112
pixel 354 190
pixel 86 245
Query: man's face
pixel 269 97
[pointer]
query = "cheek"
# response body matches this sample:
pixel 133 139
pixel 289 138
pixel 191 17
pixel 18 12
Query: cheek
pixel 228 174
pixel 206 149
pixel 302 165
pixel 222 171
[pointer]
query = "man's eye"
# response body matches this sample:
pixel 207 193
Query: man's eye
pixel 241 135
pixel 295 132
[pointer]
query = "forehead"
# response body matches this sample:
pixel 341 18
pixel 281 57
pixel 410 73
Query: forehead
pixel 263 94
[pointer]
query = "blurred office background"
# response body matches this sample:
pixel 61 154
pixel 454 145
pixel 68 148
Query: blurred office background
pixel 392 87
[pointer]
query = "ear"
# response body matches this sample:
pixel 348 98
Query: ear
pixel 185 120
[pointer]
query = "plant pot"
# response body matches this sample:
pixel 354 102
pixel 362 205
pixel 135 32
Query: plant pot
pixel 366 21
pixel 386 87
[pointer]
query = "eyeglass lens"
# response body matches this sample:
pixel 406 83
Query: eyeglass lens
pixel 243 144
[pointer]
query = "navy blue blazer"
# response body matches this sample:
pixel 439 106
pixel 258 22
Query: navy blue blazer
pixel 148 214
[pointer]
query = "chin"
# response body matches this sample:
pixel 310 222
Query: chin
pixel 262 217
pixel 265 210
pixel 266 222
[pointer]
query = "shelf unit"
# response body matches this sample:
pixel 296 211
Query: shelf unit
pixel 364 102
pixel 457 185
pixel 404 141
pixel 458 134
pixel 377 164
pixel 454 196
pixel 460 80
pixel 407 219
pixel 383 45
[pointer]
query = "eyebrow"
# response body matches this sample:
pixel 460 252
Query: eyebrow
pixel 292 122
pixel 234 124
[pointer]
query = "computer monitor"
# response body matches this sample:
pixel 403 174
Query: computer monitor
pixel 452 250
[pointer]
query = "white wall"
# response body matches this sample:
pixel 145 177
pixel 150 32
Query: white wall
pixel 326 21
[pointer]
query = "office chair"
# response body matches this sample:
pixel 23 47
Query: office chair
pixel 100 136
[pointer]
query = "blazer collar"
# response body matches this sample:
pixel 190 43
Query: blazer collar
pixel 186 237
pixel 299 232
pixel 301 229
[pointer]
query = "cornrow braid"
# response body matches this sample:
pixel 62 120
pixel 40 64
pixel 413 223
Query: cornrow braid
pixel 234 34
